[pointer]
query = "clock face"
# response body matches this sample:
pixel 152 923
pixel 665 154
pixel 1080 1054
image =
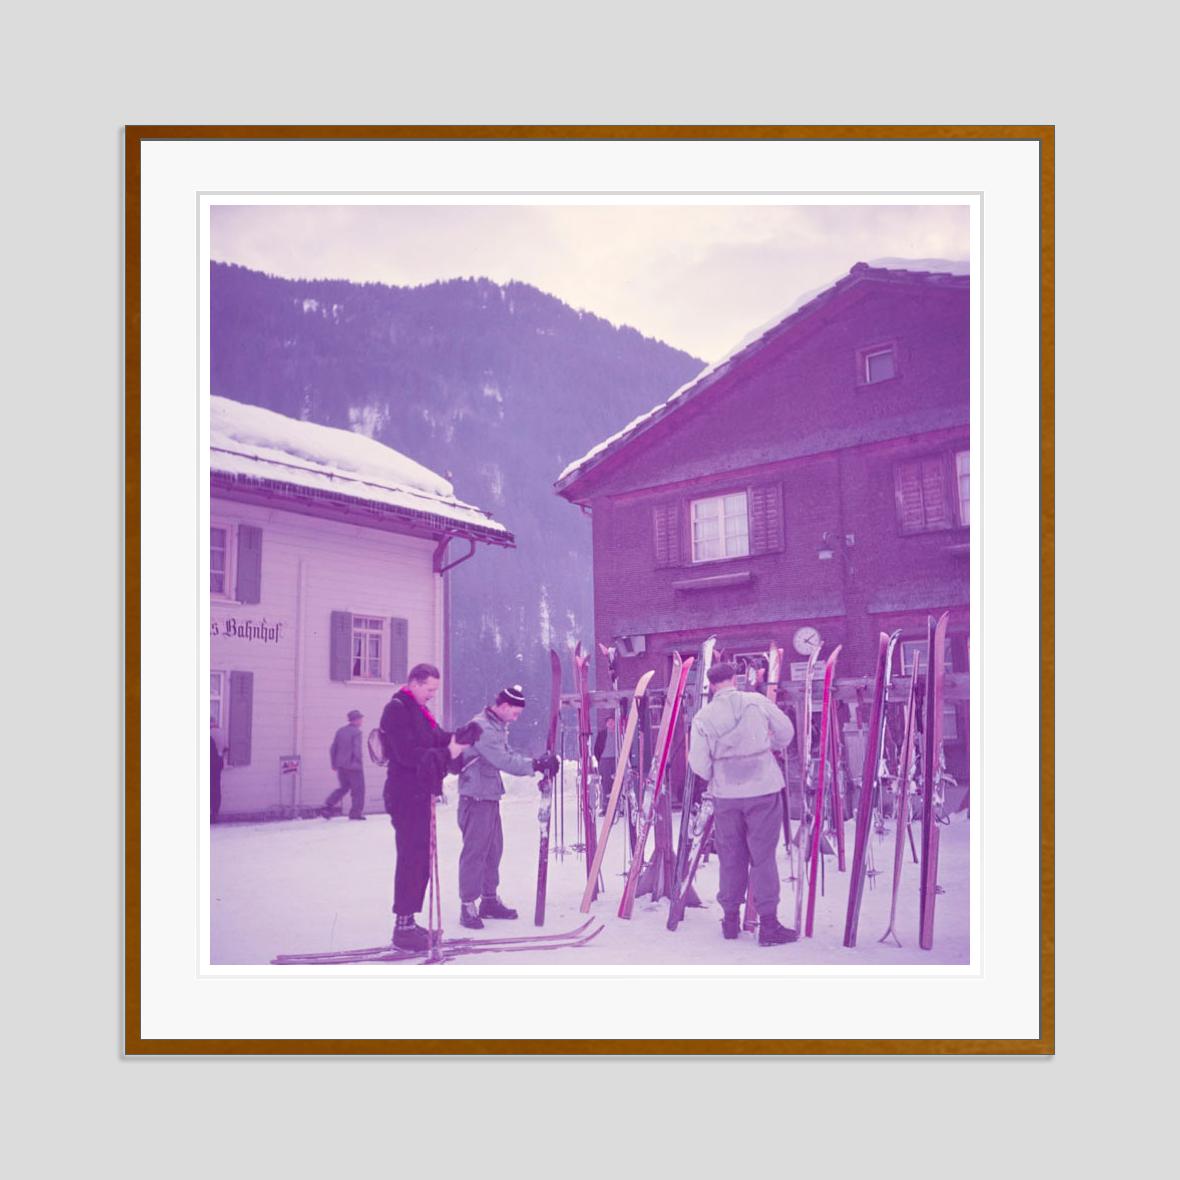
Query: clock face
pixel 806 640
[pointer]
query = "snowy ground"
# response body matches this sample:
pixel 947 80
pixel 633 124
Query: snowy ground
pixel 312 885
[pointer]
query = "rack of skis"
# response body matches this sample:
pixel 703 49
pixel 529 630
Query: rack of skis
pixel 887 765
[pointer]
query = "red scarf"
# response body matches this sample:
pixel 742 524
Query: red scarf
pixel 425 711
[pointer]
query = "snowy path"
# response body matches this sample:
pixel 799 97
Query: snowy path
pixel 311 885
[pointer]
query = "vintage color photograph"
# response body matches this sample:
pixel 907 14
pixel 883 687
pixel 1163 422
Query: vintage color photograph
pixel 590 584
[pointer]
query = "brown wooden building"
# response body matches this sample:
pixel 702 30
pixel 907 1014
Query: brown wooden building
pixel 815 481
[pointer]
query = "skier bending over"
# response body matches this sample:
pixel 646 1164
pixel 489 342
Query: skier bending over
pixel 419 752
pixel 480 788
pixel 732 740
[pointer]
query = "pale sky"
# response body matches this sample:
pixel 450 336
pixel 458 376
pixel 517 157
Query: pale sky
pixel 697 277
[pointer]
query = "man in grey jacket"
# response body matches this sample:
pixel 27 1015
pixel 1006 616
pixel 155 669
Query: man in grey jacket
pixel 480 788
pixel 733 737
pixel 348 762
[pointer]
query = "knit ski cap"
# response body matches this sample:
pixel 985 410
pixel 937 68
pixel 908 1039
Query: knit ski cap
pixel 512 695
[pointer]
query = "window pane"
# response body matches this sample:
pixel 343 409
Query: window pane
pixel 216 582
pixel 735 503
pixel 879 366
pixel 706 530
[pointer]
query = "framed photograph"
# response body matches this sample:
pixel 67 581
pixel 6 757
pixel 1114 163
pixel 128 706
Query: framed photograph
pixel 620 560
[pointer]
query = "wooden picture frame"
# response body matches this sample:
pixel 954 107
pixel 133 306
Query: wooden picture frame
pixel 146 1030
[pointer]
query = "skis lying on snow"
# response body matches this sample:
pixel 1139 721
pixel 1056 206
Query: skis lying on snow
pixel 622 761
pixel 931 765
pixel 652 792
pixel 901 805
pixel 868 779
pixel 545 809
pixel 817 819
pixel 449 946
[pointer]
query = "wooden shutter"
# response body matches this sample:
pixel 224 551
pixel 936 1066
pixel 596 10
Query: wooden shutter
pixel 249 588
pixel 766 518
pixel 668 534
pixel 241 717
pixel 340 657
pixel 399 649
pixel 934 493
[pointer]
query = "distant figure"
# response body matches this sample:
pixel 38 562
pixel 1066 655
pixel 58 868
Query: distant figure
pixel 733 739
pixel 606 752
pixel 480 788
pixel 419 752
pixel 347 759
pixel 216 762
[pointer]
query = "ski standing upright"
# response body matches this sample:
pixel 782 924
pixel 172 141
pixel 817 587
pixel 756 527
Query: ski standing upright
pixel 545 810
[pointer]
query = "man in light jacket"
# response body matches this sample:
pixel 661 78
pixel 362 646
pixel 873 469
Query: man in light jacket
pixel 733 737
pixel 480 788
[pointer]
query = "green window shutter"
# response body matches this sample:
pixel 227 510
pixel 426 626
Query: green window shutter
pixel 399 650
pixel 241 717
pixel 249 588
pixel 908 491
pixel 934 494
pixel 667 534
pixel 766 518
pixel 340 657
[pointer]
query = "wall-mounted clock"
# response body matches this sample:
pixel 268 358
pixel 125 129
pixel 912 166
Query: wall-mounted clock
pixel 807 640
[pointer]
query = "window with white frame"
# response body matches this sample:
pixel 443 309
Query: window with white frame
pixel 910 647
pixel 720 527
pixel 963 472
pixel 368 636
pixel 217 700
pixel 878 363
pixel 220 560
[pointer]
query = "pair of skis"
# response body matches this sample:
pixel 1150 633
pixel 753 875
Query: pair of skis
pixel 446 948
pixel 651 795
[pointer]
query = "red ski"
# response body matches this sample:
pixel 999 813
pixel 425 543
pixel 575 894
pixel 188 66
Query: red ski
pixel 804 738
pixel 817 819
pixel 868 779
pixel 931 767
pixel 652 793
pixel 544 811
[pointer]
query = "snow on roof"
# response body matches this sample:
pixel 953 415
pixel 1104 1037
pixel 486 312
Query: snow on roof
pixel 909 266
pixel 253 442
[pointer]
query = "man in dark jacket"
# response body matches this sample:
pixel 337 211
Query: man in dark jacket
pixel 480 788
pixel 347 758
pixel 419 750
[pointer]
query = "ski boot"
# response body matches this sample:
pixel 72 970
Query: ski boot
pixel 469 917
pixel 493 907
pixel 409 936
pixel 731 924
pixel 771 932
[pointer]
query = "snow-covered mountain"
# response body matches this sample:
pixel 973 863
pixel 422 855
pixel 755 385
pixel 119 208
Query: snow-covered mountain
pixel 497 387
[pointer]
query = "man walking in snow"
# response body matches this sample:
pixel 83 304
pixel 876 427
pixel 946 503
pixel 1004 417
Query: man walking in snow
pixel 419 751
pixel 347 758
pixel 480 788
pixel 733 739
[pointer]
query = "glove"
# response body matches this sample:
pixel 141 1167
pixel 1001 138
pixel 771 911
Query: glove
pixel 469 734
pixel 547 764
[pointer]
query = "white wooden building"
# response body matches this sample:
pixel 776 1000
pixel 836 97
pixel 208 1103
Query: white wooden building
pixel 327 568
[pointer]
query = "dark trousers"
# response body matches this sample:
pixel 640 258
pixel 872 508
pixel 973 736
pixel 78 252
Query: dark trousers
pixel 606 774
pixel 214 795
pixel 411 824
pixel 483 845
pixel 350 781
pixel 747 832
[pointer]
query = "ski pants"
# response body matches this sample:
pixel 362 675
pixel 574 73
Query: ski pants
pixel 351 781
pixel 747 833
pixel 411 824
pixel 483 845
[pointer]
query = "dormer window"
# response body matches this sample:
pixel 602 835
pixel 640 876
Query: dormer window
pixel 878 363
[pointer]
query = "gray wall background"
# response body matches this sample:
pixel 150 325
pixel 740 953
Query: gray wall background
pixel 77 76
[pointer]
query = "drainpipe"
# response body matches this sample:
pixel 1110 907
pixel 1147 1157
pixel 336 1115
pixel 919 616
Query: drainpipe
pixel 300 594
